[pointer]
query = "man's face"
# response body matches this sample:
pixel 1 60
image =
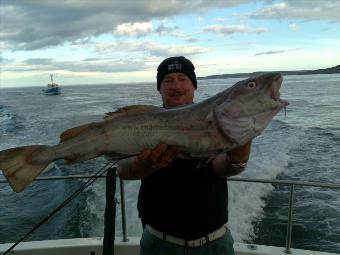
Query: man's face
pixel 176 90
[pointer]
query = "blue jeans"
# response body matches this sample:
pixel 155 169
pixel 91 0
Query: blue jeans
pixel 151 245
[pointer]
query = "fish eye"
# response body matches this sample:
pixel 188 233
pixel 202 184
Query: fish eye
pixel 251 84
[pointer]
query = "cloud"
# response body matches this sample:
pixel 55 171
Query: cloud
pixel 5 60
pixel 275 52
pixel 137 28
pixel 154 49
pixel 171 50
pixel 302 9
pixel 109 65
pixel 38 61
pixel 293 26
pixel 163 29
pixel 225 30
pixel 141 29
pixel 192 40
pixel 86 65
pixel 270 52
pixel 30 24
pixel 104 65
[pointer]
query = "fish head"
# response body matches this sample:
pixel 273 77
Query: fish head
pixel 245 109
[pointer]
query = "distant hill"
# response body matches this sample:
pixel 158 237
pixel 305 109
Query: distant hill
pixel 331 70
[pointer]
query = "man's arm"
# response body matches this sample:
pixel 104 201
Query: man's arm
pixel 233 162
pixel 147 162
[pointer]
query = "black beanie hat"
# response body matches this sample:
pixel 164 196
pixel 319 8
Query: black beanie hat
pixel 176 65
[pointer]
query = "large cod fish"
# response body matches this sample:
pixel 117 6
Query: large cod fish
pixel 218 124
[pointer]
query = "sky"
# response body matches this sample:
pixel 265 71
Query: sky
pixel 123 41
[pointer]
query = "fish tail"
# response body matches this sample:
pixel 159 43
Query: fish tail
pixel 18 166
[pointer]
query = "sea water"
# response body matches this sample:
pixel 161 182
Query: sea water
pixel 304 146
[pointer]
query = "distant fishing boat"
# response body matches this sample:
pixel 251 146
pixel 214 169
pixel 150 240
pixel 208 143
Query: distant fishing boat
pixel 52 88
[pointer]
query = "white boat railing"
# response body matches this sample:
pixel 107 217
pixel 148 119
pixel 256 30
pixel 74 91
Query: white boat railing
pixel 291 183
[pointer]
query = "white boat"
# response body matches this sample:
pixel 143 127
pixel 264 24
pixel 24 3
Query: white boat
pixel 129 245
pixel 52 88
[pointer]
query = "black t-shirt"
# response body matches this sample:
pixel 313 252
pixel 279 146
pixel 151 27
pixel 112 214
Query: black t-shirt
pixel 183 200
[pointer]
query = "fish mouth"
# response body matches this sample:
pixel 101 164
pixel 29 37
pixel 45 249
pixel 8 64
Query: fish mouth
pixel 274 91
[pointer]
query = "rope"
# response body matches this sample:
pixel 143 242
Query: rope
pixel 91 180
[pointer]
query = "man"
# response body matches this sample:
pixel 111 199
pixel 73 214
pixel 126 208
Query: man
pixel 182 203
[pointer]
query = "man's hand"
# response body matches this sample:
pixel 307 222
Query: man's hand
pixel 161 156
pixel 147 162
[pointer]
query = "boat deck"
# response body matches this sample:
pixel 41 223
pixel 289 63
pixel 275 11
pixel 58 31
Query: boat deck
pixel 93 246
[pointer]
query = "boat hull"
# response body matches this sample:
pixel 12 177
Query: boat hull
pixel 52 91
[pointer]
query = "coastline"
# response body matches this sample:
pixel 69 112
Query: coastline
pixel 331 70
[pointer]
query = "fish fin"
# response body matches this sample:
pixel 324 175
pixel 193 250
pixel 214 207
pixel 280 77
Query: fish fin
pixel 73 132
pixel 17 168
pixel 209 117
pixel 131 109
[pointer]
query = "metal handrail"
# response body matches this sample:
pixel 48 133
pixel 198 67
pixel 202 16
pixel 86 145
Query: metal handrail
pixel 241 179
pixel 291 183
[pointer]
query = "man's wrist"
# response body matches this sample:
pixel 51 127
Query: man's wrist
pixel 234 163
